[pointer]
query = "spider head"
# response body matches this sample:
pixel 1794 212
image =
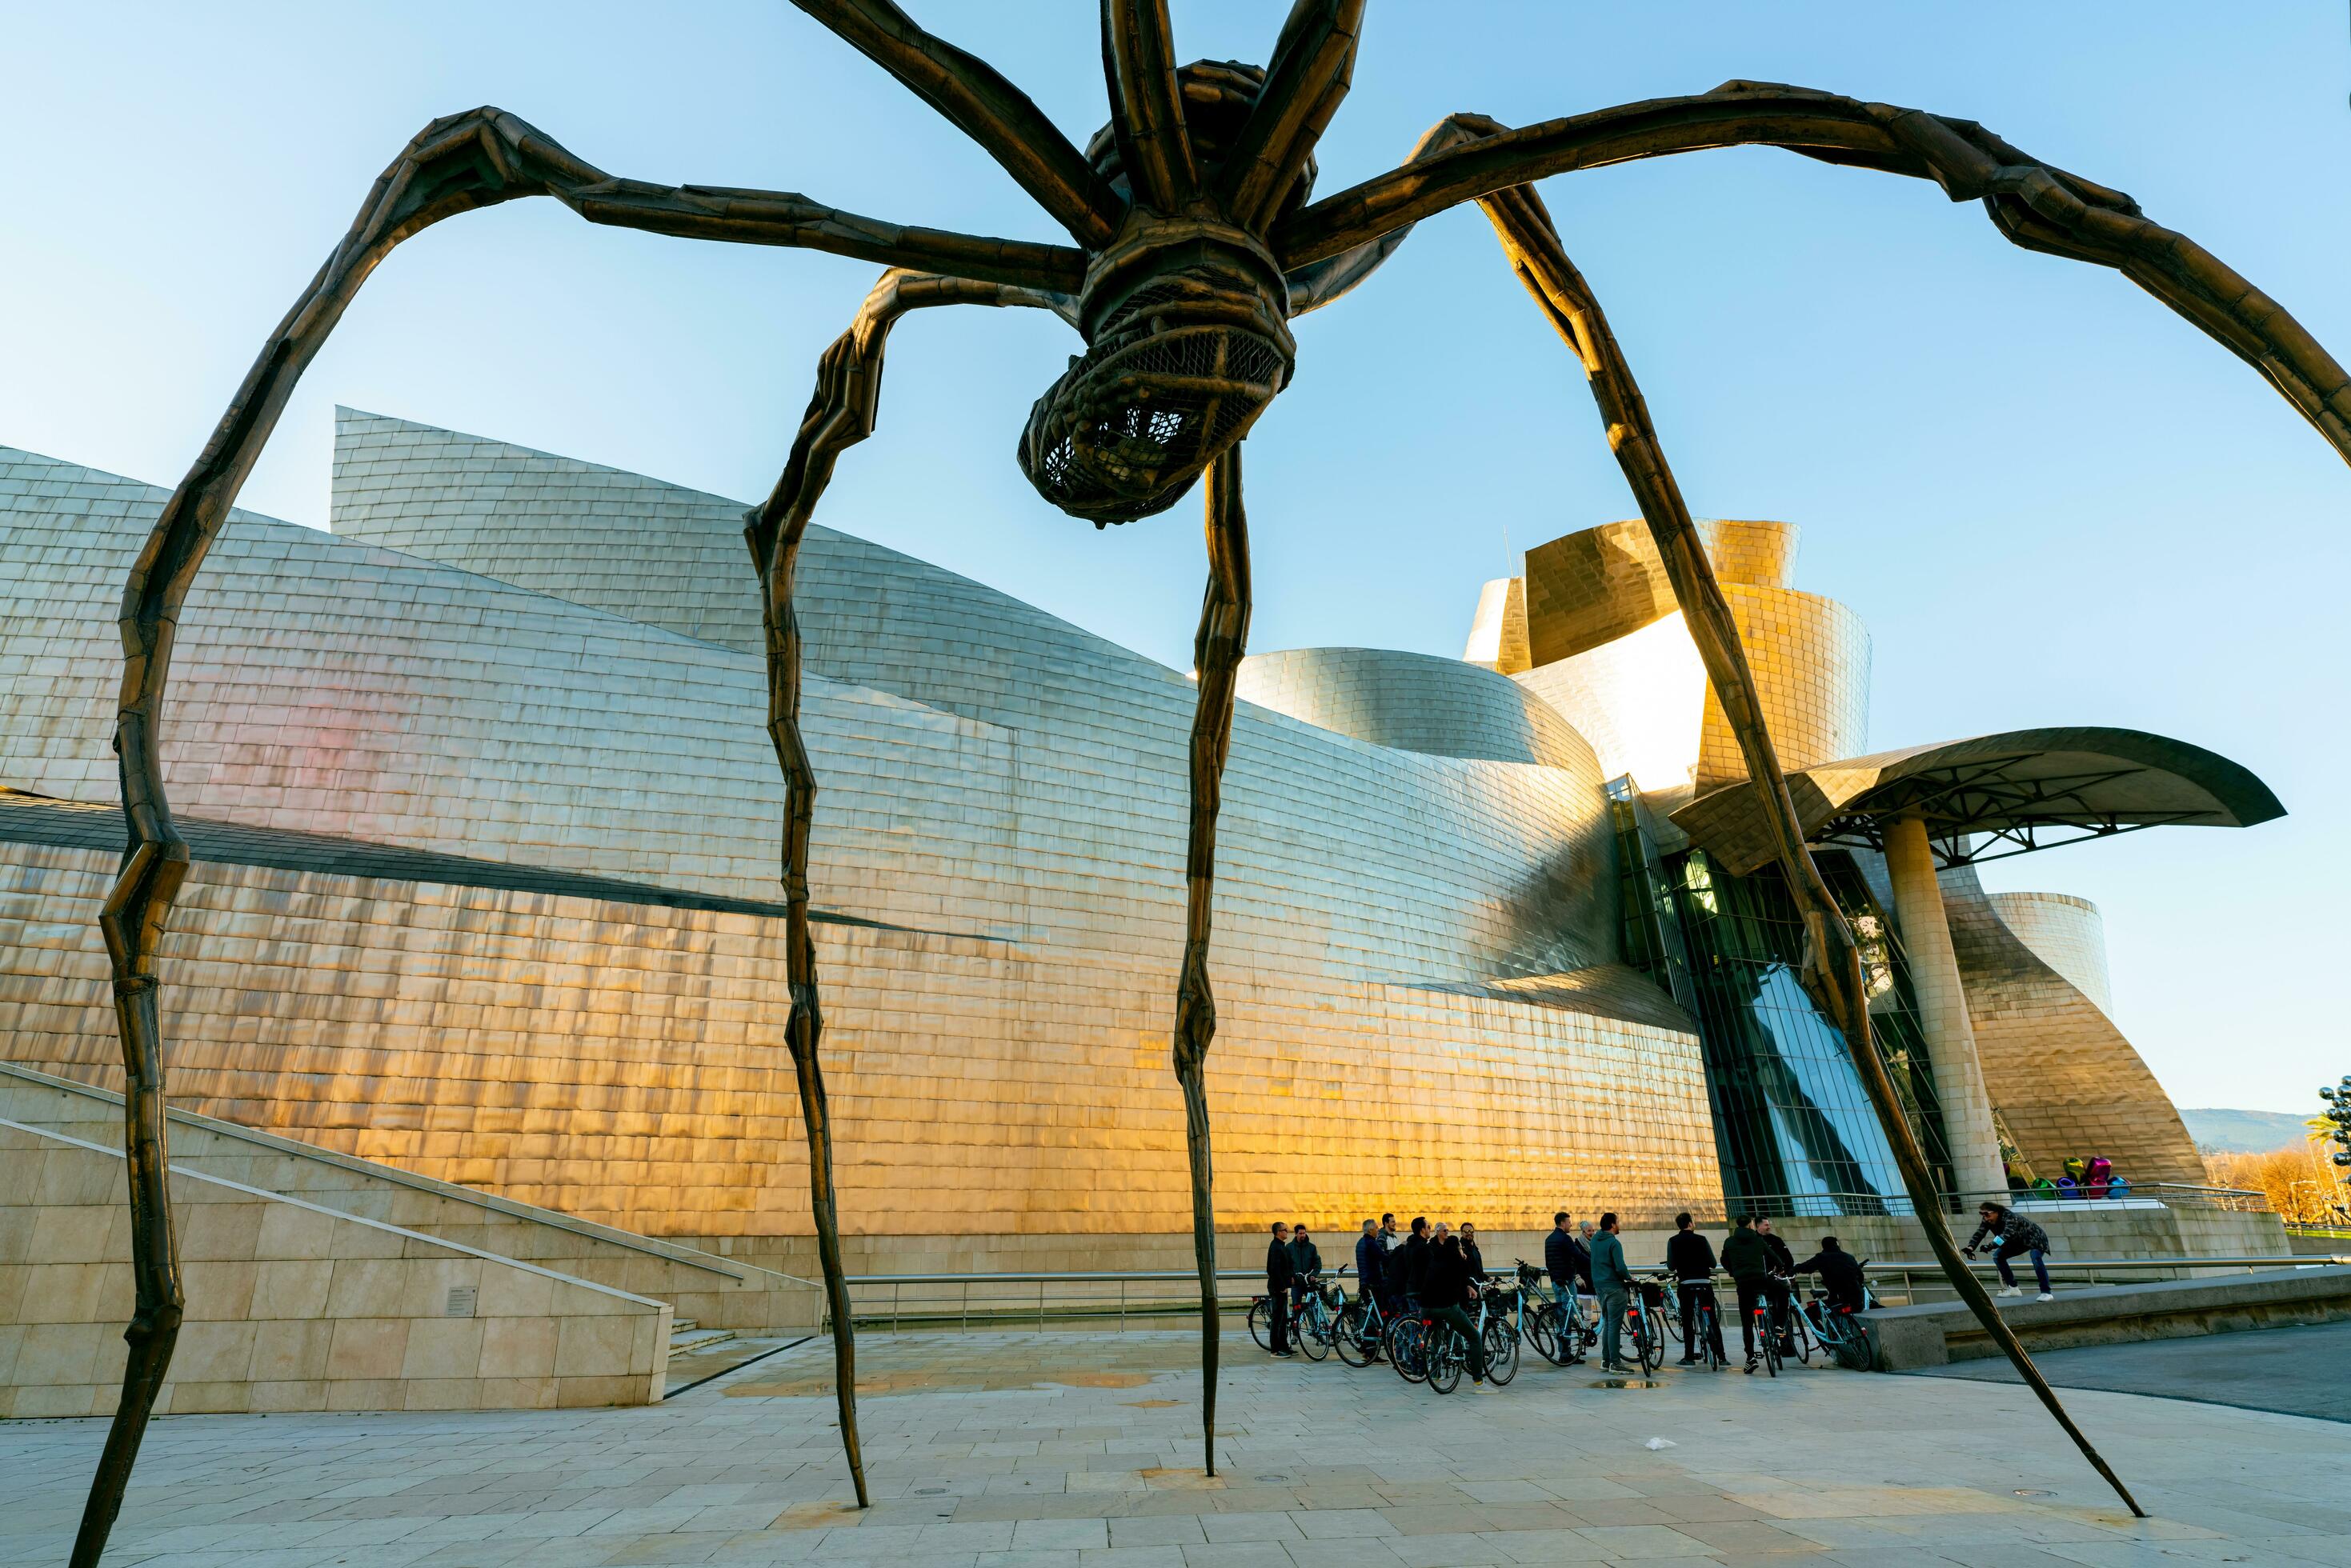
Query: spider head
pixel 1186 339
pixel 1187 351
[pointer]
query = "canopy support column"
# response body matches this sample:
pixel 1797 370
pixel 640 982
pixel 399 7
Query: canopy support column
pixel 1943 1008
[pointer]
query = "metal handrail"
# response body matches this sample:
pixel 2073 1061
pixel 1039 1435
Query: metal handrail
pixel 1039 1298
pixel 1898 1206
pixel 2176 1261
pixel 1162 1303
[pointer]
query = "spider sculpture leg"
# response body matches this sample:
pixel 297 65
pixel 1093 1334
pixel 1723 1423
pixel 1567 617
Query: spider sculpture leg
pixel 2035 204
pixel 1216 652
pixel 468 160
pixel 1833 973
pixel 840 415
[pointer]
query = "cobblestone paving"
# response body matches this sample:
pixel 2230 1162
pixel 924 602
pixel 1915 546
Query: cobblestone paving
pixel 1071 1450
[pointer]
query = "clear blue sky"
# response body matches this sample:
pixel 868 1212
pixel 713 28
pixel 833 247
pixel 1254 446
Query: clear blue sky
pixel 2053 501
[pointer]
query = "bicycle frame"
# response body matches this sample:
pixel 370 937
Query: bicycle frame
pixel 1706 1335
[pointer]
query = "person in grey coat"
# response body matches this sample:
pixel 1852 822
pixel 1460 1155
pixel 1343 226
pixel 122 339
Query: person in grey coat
pixel 1612 1278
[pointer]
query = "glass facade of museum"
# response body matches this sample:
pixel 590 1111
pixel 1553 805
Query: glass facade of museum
pixel 1794 1125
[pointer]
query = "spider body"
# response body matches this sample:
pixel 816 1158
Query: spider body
pixel 1196 241
pixel 1185 320
pixel 1187 343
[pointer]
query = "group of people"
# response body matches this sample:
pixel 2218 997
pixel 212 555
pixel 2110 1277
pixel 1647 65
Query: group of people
pixel 1433 1265
pixel 1760 1263
pixel 1438 1270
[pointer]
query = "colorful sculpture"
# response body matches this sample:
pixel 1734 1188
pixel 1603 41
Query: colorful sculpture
pixel 1195 244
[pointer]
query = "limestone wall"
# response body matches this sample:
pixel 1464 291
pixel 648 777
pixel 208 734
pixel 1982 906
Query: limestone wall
pixel 291 1306
pixel 712 1291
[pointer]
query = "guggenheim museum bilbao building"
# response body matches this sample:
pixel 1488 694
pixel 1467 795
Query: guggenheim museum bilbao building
pixel 485 824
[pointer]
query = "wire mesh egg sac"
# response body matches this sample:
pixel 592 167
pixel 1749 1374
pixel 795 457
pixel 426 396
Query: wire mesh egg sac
pixel 1139 416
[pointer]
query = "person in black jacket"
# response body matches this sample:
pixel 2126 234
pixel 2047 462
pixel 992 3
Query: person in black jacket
pixel 1280 1274
pixel 1840 1275
pixel 1411 1264
pixel 1748 1260
pixel 1783 1260
pixel 1567 1262
pixel 1446 1295
pixel 1371 1255
pixel 1691 1256
pixel 1469 1250
pixel 1305 1261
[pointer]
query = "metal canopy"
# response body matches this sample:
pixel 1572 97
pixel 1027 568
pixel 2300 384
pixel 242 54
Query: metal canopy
pixel 1993 796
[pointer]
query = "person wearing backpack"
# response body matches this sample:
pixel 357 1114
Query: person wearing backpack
pixel 1840 1275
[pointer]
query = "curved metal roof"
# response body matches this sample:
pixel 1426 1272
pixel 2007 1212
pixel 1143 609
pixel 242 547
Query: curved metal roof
pixel 1993 795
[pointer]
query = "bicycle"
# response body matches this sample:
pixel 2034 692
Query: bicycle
pixel 1309 1321
pixel 1840 1332
pixel 1800 1328
pixel 1317 1322
pixel 1359 1332
pixel 1450 1352
pixel 1707 1329
pixel 1555 1325
pixel 1408 1344
pixel 1765 1334
pixel 1645 1326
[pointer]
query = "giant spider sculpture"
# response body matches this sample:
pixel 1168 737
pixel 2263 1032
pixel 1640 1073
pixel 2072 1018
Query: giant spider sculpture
pixel 1195 244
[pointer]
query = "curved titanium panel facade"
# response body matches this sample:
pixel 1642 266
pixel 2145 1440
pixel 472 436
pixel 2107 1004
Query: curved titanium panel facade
pixel 2064 932
pixel 1411 957
pixel 1417 703
pixel 2061 1074
pixel 1811 659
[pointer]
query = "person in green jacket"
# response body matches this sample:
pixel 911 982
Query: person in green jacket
pixel 1747 1259
pixel 1612 1279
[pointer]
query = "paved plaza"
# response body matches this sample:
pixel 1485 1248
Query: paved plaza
pixel 2300 1371
pixel 1070 1450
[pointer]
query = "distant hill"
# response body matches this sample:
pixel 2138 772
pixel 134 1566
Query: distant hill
pixel 2243 1132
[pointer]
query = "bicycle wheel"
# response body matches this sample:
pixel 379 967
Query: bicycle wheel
pixel 1311 1331
pixel 1501 1354
pixel 1767 1339
pixel 1349 1335
pixel 1542 1332
pixel 1652 1341
pixel 1800 1335
pixel 1260 1322
pixel 1406 1343
pixel 1853 1349
pixel 1445 1359
pixel 1709 1333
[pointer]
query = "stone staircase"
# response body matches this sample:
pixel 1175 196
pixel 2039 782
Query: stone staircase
pixel 700 1286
